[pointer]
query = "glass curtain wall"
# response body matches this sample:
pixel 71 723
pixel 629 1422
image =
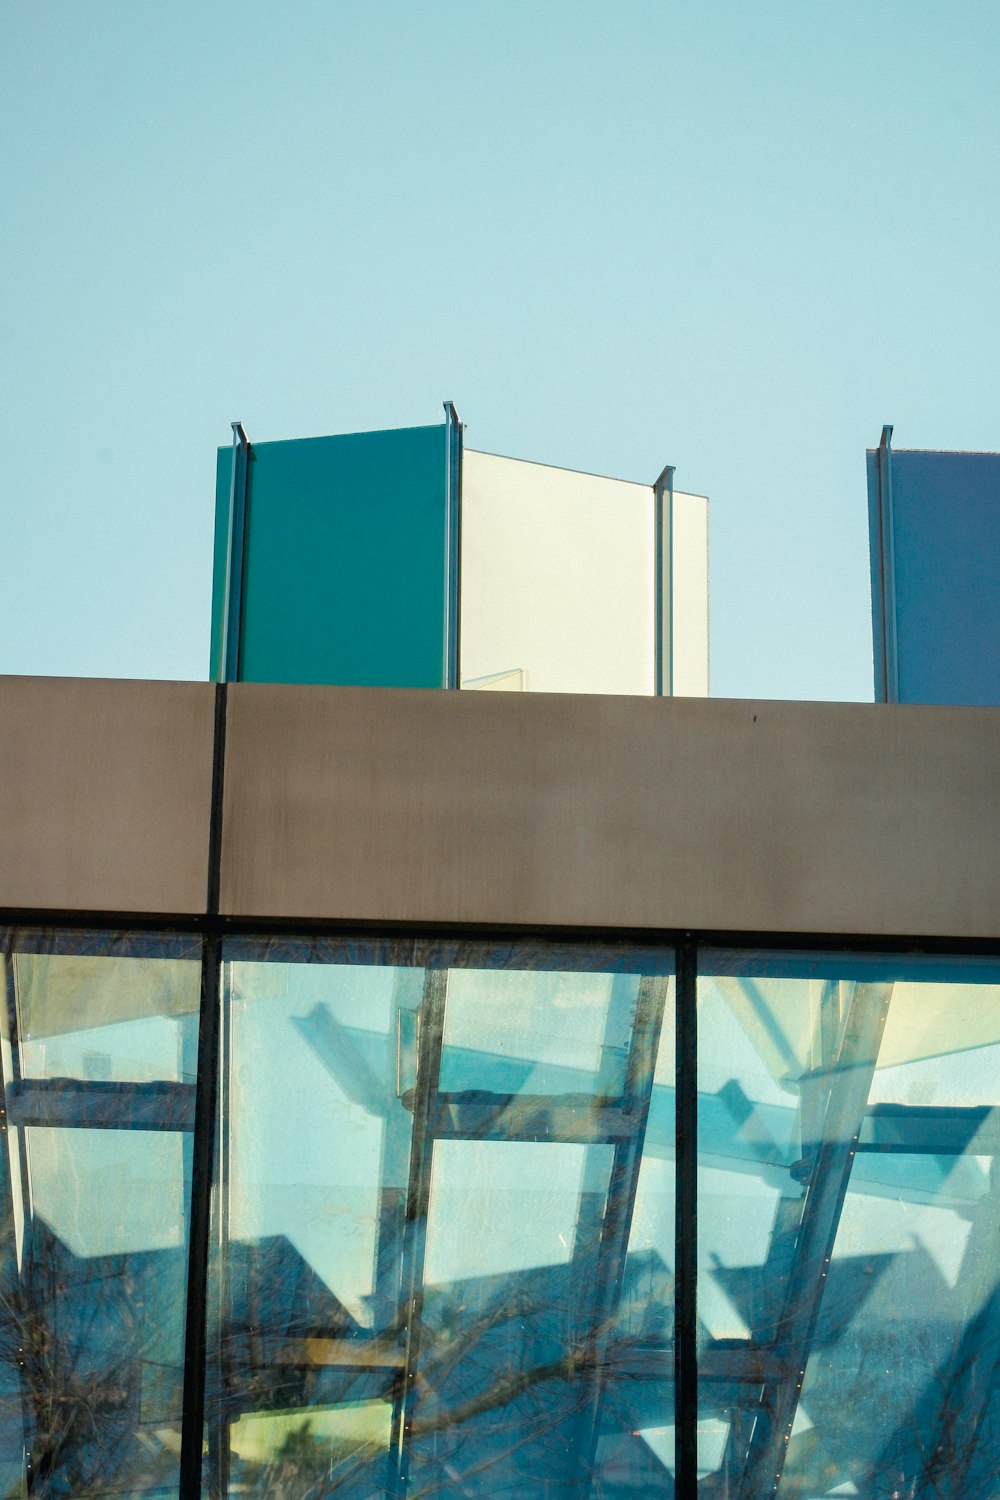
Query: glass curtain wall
pixel 443 1232
pixel 849 1226
pixel 98 1045
pixel 444 1222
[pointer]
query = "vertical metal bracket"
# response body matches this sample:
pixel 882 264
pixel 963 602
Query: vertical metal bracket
pixel 455 442
pixel 232 609
pixel 663 544
pixel 884 608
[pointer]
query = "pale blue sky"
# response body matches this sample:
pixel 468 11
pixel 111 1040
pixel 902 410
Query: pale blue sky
pixel 736 237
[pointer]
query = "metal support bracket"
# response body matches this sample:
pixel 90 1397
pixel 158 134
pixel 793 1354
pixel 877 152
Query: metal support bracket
pixel 232 610
pixel 663 605
pixel 455 440
pixel 886 657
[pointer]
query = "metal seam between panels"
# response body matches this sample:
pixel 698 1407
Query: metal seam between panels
pixel 889 664
pixel 195 1341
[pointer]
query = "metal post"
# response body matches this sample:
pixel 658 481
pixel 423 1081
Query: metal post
pixel 886 658
pixel 663 527
pixel 455 440
pixel 232 610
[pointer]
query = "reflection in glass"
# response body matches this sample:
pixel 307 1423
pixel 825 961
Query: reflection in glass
pixel 444 1257
pixel 849 1209
pixel 99 1058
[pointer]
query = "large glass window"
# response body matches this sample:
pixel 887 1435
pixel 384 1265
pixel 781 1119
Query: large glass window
pixel 849 1219
pixel 443 1230
pixel 98 1043
pixel 444 1221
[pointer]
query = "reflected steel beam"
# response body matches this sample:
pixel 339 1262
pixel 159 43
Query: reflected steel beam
pixel 430 1036
pixel 849 1083
pixel 566 1119
pixel 87 1104
pixel 620 1204
pixel 739 1362
pixel 930 1130
pixel 395 1153
pixel 321 1352
pixel 331 1041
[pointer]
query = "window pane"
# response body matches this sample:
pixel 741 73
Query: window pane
pixel 99 1057
pixel 849 1202
pixel 443 1258
pixel 537 1033
pixel 81 1016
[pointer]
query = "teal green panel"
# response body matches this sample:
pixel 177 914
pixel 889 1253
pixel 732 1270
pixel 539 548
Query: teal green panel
pixel 223 479
pixel 345 568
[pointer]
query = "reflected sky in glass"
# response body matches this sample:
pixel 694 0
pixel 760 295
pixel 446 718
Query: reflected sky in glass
pixel 433 1202
pixel 99 1057
pixel 849 1204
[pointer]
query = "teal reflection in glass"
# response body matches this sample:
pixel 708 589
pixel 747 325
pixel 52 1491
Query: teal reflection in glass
pixel 849 1209
pixel 444 1262
pixel 98 1044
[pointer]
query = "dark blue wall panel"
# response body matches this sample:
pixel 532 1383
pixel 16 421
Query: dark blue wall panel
pixel 936 576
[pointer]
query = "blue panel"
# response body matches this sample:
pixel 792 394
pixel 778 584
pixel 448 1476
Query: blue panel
pixel 935 595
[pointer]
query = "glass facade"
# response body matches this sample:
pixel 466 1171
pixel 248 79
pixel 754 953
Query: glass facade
pixel 440 1215
pixel 99 1052
pixel 440 1185
pixel 849 1208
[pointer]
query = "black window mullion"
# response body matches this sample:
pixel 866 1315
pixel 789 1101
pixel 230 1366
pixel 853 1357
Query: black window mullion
pixel 195 1338
pixel 686 1249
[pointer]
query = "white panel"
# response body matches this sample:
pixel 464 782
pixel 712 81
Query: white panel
pixel 557 578
pixel 689 596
